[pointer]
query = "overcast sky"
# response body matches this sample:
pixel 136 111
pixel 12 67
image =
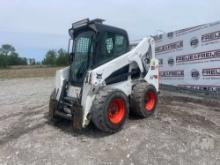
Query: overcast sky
pixel 34 26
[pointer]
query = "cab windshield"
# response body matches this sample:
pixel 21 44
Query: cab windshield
pixel 82 48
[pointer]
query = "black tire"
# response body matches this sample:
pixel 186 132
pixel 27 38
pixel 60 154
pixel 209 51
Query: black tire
pixel 106 101
pixel 143 99
pixel 53 103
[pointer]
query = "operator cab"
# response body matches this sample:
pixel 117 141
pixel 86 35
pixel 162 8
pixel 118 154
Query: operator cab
pixel 94 44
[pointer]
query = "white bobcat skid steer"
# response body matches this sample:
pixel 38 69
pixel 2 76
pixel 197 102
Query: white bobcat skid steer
pixel 105 79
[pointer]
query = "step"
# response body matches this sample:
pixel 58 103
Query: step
pixel 64 115
pixel 67 98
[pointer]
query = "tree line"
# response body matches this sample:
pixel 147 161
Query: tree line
pixel 9 57
pixel 56 58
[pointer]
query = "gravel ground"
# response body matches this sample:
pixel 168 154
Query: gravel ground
pixel 184 130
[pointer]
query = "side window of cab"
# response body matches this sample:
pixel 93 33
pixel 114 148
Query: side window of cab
pixel 112 45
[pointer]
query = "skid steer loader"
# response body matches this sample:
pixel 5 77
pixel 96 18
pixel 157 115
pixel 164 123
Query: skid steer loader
pixel 105 78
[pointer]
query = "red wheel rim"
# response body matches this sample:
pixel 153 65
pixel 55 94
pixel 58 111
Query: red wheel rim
pixel 150 100
pixel 116 110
